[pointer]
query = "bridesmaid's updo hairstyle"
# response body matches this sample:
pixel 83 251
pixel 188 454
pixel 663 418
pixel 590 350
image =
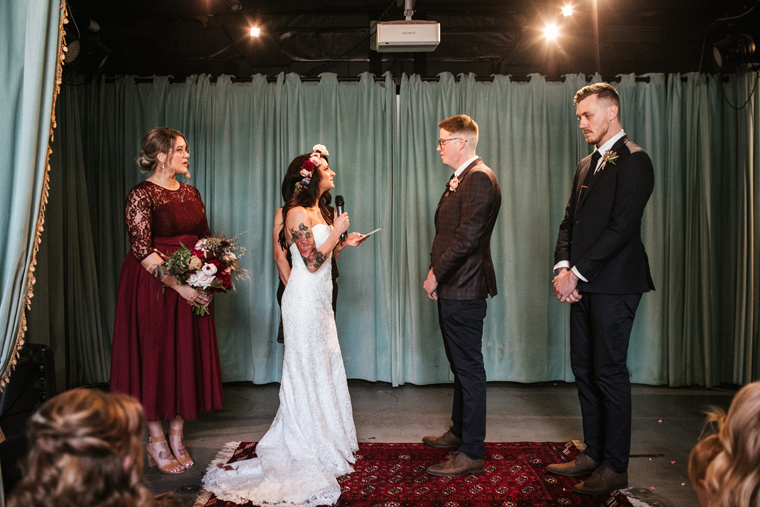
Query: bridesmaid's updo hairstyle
pixel 158 140
pixel 86 450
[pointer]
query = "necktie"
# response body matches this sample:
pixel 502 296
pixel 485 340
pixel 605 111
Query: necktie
pixel 594 160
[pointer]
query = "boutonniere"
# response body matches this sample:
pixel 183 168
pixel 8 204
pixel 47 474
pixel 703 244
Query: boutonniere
pixel 609 156
pixel 453 184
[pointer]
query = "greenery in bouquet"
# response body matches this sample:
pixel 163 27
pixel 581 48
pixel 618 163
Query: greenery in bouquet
pixel 209 265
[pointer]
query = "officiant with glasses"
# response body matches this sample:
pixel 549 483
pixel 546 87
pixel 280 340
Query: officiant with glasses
pixel 460 279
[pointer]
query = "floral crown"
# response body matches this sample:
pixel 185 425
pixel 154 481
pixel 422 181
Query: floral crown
pixel 307 168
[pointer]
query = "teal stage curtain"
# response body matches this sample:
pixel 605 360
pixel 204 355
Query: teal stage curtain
pixel 242 137
pixel 700 228
pixel 29 65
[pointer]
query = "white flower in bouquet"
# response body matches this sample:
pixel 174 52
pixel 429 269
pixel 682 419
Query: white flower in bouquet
pixel 209 270
pixel 200 279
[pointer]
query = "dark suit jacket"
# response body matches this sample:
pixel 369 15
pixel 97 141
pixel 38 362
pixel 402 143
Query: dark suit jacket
pixel 601 232
pixel 464 220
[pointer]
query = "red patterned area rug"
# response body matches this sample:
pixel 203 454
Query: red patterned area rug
pixel 393 475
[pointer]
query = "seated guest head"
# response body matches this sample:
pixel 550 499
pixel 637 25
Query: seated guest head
pixel 85 451
pixel 699 459
pixel 733 477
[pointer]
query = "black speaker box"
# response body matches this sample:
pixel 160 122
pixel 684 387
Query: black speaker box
pixel 30 384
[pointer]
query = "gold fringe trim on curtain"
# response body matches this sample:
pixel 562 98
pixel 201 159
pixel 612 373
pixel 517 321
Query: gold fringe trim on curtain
pixel 19 341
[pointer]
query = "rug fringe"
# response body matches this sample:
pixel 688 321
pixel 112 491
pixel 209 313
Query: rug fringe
pixel 202 499
pixel 222 457
pixel 224 454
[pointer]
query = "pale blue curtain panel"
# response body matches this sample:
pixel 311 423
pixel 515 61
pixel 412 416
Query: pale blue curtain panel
pixel 29 49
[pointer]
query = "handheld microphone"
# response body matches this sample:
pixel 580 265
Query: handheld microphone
pixel 339 203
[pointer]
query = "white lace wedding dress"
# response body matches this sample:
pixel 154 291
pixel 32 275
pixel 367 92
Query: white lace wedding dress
pixel 312 439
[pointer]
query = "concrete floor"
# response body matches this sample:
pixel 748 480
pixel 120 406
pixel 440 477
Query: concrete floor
pixel 666 424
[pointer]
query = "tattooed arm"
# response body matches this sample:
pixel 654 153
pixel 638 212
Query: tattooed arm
pixel 299 232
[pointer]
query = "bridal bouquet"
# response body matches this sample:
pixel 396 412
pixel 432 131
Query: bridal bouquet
pixel 209 265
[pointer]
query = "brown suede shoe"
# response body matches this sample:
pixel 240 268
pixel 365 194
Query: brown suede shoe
pixel 446 441
pixel 581 465
pixel 458 464
pixel 602 482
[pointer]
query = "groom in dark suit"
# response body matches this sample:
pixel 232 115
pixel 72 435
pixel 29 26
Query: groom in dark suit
pixel 602 270
pixel 461 276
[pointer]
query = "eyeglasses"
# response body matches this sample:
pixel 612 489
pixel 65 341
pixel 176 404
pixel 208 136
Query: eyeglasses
pixel 442 141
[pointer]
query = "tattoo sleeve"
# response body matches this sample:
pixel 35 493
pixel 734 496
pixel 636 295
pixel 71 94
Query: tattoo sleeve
pixel 304 241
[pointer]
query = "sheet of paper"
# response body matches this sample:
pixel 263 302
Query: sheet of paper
pixel 373 232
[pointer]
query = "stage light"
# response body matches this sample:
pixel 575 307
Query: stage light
pixel 567 10
pixel 255 31
pixel 551 31
pixel 733 51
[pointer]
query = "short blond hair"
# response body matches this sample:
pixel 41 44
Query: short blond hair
pixel 460 124
pixel 602 90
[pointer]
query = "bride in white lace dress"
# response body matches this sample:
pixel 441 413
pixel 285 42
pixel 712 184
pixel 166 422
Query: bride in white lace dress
pixel 312 438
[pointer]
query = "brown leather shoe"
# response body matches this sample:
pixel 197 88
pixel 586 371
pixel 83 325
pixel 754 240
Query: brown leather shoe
pixel 458 464
pixel 602 482
pixel 581 465
pixel 446 441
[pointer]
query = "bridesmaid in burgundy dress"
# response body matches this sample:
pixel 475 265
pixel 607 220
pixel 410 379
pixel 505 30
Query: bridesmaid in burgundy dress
pixel 163 354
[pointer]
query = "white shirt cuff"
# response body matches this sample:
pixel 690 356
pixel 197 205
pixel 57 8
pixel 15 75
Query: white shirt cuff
pixel 577 273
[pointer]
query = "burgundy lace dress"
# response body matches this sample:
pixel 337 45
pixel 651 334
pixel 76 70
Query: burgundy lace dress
pixel 163 354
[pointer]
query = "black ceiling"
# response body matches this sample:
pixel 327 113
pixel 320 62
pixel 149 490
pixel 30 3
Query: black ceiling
pixel 183 37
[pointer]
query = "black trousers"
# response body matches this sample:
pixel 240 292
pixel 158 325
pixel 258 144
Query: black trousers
pixel 600 329
pixel 462 329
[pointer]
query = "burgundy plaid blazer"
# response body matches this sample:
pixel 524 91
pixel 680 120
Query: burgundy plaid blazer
pixel 464 221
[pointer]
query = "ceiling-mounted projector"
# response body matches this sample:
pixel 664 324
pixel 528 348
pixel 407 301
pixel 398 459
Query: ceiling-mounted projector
pixel 406 36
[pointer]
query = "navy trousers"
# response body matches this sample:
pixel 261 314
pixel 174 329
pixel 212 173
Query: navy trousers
pixel 600 329
pixel 461 325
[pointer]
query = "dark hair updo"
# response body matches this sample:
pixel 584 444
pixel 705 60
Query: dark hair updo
pixel 305 198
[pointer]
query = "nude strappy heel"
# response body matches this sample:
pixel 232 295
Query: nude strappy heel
pixel 174 466
pixel 182 455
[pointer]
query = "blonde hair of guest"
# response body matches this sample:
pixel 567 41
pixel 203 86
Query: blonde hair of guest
pixel 85 451
pixel 733 477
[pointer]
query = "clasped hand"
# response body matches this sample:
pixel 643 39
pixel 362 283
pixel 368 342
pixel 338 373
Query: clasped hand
pixel 195 297
pixel 431 286
pixel 565 286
